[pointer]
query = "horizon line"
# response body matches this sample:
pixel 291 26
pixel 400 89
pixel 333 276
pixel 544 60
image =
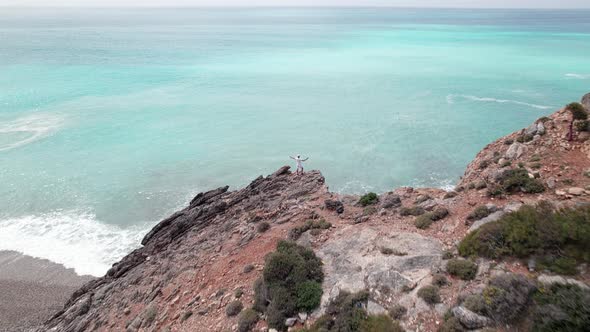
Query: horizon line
pixel 286 7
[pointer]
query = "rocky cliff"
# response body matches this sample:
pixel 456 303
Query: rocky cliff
pixel 195 262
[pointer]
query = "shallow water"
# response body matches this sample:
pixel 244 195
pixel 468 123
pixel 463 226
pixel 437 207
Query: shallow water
pixel 112 119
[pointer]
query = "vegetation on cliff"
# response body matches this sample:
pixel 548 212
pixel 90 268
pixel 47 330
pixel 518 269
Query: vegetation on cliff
pixel 291 283
pixel 560 238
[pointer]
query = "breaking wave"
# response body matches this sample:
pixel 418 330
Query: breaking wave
pixel 452 97
pixel 76 240
pixel 578 76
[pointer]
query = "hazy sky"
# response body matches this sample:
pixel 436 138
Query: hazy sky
pixel 400 3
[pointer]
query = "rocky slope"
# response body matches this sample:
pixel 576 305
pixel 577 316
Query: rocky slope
pixel 192 263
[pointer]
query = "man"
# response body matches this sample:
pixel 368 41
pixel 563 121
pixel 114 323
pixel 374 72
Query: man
pixel 299 162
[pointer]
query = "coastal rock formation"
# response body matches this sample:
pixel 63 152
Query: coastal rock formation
pixel 194 263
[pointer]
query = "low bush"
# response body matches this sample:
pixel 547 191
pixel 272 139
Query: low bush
pixel 518 180
pixel 524 138
pixel 481 184
pixel 484 164
pixel 368 199
pixel 309 295
pixel 475 303
pixel 451 325
pixel 247 321
pixel 238 293
pixel 248 268
pixel 397 311
pixel 462 268
pixel 562 308
pixel 439 280
pixel 263 227
pixel 369 210
pixel 507 296
pixel 509 141
pixel 422 199
pixel 430 294
pixel 558 237
pixel 424 221
pixel 291 283
pixel 450 194
pixel 319 224
pixel 234 308
pixel 411 211
pixel 478 213
pixel 380 323
pixel 347 313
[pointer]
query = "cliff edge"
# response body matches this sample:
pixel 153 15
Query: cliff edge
pixel 197 261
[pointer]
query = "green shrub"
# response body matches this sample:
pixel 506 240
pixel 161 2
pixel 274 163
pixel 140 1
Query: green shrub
pixel 475 303
pixel 506 163
pixel 346 313
pixel 481 184
pixel 430 294
pixel 478 213
pixel 369 199
pixel 380 323
pixel 514 180
pixel 559 265
pixel 439 213
pixel 424 221
pixel 562 308
pixel 291 283
pixel 450 194
pixel 559 237
pixel 238 293
pixel 578 111
pixel 411 211
pixel 439 280
pixel 507 296
pixel 451 325
pixel 263 227
pixel 319 224
pixel 447 254
pixel 309 295
pixel 248 268
pixel 535 165
pixel 234 308
pixel 247 321
pixel 509 141
pixel 397 311
pixel 524 138
pixel 462 268
pixel 484 164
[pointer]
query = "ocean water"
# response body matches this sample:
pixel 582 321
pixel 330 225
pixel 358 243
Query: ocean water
pixel 112 119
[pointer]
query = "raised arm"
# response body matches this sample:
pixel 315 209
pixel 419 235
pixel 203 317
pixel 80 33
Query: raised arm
pixel 292 157
pixel 305 159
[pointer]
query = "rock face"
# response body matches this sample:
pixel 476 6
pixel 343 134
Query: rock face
pixel 470 319
pixel 353 261
pixel 144 279
pixel 586 101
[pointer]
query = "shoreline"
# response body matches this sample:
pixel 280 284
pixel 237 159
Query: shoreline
pixel 32 290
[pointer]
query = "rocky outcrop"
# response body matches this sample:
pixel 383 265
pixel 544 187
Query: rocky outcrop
pixel 354 261
pixel 586 101
pixel 183 242
pixel 193 262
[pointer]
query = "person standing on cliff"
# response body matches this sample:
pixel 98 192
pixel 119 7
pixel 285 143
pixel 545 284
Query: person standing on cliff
pixel 299 162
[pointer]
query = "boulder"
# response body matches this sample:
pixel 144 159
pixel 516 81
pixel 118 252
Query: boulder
pixel 540 128
pixel 492 217
pixel 353 261
pixel 290 321
pixel 515 151
pixel 470 319
pixel 334 205
pixel 575 191
pixel 391 201
pixel 531 130
pixel 374 308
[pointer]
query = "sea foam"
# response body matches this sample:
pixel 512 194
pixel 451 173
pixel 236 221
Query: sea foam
pixel 578 76
pixel 452 97
pixel 76 240
pixel 35 126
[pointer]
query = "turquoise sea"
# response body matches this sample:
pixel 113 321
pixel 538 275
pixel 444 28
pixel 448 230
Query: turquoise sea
pixel 111 119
